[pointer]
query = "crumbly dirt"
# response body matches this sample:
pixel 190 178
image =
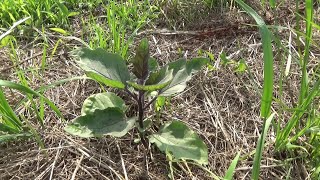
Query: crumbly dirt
pixel 222 106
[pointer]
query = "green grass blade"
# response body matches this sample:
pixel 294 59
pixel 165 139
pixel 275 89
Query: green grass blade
pixel 12 27
pixel 232 167
pixel 283 137
pixel 304 82
pixel 5 128
pixel 259 148
pixel 9 137
pixel 11 118
pixel 267 57
pixel 30 91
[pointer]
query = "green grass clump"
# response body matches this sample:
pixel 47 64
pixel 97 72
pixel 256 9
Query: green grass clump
pixel 54 13
pixel 115 31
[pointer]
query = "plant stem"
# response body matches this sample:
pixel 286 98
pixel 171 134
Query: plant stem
pixel 134 96
pixel 140 117
pixel 141 131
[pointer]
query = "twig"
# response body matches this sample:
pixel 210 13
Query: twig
pixel 54 162
pixel 91 158
pixel 22 62
pixel 77 168
pixel 264 166
pixel 134 96
pixel 13 26
pixel 150 102
pixel 122 163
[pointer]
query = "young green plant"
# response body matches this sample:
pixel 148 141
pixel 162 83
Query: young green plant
pixel 104 113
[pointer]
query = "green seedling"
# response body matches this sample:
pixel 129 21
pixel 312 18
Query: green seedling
pixel 104 113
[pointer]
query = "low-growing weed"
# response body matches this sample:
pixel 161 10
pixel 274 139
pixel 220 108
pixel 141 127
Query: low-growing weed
pixel 104 113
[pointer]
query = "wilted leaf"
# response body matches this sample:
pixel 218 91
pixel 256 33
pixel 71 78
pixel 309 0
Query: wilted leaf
pixel 110 121
pixel 140 61
pixel 102 63
pixel 102 101
pixel 182 142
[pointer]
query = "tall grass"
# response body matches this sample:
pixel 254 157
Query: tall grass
pixel 304 122
pixel 12 125
pixel 116 30
pixel 49 12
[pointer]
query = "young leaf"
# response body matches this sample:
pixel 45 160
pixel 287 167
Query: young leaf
pixel 153 64
pixel 59 30
pixel 99 63
pixel 160 102
pixel 241 66
pixel 175 137
pixel 140 61
pixel 182 72
pixel 102 101
pixel 156 81
pixel 110 121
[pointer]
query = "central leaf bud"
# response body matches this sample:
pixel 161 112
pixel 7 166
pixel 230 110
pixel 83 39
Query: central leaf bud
pixel 140 61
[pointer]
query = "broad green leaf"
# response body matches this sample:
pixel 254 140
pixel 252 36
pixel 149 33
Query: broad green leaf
pixel 195 64
pixel 140 61
pixel 157 76
pixel 175 137
pixel 106 81
pixel 224 59
pixel 110 121
pixel 178 84
pixel 102 101
pixel 182 72
pixel 109 65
